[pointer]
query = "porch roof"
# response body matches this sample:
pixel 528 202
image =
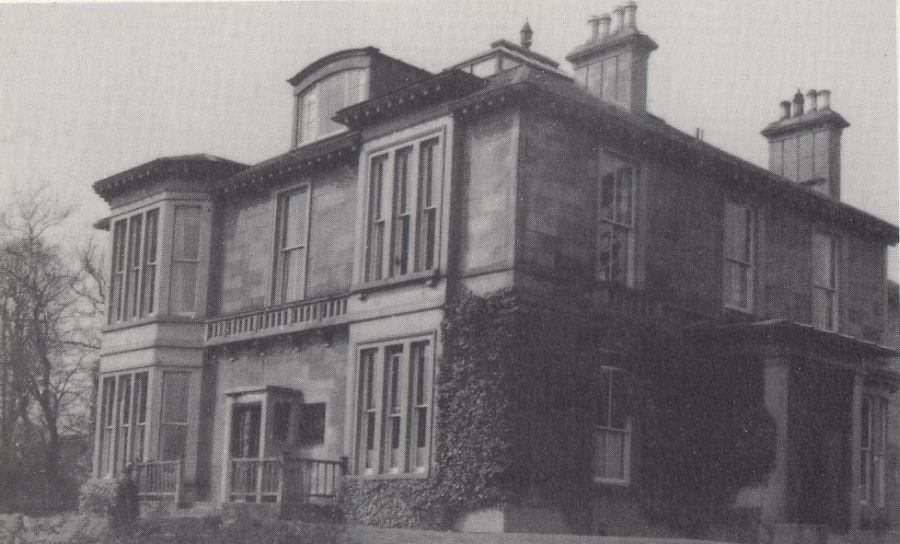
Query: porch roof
pixel 785 331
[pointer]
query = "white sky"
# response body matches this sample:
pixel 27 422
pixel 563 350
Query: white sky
pixel 89 90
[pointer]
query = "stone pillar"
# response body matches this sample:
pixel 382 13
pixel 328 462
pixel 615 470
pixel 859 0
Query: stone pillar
pixel 777 382
pixel 855 437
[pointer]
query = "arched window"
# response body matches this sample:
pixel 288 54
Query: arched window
pixel 324 98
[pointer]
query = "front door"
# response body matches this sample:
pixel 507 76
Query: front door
pixel 245 431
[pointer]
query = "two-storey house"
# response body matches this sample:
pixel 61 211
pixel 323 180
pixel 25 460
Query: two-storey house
pixel 504 297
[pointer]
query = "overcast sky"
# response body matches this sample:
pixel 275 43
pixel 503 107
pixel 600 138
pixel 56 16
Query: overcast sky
pixel 90 90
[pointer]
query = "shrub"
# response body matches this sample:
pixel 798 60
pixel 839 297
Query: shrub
pixel 115 498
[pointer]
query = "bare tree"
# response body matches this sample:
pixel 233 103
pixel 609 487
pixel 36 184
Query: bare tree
pixel 50 300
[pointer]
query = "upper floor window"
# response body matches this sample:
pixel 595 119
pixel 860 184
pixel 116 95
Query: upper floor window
pixel 824 284
pixel 134 260
pixel 185 259
pixel 292 218
pixel 739 255
pixel 615 228
pixel 322 100
pixel 401 229
pixel 393 408
pixel 612 429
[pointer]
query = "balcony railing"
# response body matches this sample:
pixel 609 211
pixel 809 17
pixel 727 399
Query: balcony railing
pixel 160 479
pixel 296 316
pixel 281 480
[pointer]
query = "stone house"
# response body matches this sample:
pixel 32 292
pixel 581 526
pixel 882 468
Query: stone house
pixel 504 297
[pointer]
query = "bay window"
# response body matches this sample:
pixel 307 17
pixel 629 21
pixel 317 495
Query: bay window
pixel 403 186
pixel 393 408
pixel 824 281
pixel 185 259
pixel 123 420
pixel 134 256
pixel 174 416
pixel 612 429
pixel 739 255
pixel 615 226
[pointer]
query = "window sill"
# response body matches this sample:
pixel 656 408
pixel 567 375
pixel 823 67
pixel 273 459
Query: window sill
pixel 153 318
pixel 389 476
pixel 430 277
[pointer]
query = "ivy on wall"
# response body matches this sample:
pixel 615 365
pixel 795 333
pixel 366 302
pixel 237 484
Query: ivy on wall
pixel 515 399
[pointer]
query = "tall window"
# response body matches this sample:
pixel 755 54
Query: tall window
pixel 824 276
pixel 393 408
pixel 322 100
pixel 174 416
pixel 401 229
pixel 873 444
pixel 123 420
pixel 612 437
pixel 616 226
pixel 739 254
pixel 290 241
pixel 134 256
pixel 185 259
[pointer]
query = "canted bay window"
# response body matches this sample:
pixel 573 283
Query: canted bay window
pixel 615 225
pixel 873 444
pixel 739 255
pixel 185 259
pixel 321 101
pixel 174 417
pixel 123 420
pixel 402 203
pixel 292 219
pixel 824 281
pixel 134 257
pixel 612 429
pixel 393 408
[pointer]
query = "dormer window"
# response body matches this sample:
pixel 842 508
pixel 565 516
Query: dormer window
pixel 324 98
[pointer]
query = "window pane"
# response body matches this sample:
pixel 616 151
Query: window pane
pixel 607 192
pixel 150 245
pixel 245 423
pixel 311 424
pixel 737 232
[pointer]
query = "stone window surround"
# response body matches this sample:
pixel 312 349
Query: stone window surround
pixel 752 233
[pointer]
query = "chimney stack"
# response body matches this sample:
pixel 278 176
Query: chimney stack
pixel 811 101
pixel 526 33
pixel 604 21
pixel 613 63
pixel 785 109
pixel 798 104
pixel 806 147
pixel 630 15
pixel 594 25
pixel 619 16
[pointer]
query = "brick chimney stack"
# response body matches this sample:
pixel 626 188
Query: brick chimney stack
pixel 612 64
pixel 805 142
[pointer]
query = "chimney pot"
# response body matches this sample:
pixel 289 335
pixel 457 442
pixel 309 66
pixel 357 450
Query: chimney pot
pixel 630 15
pixel 526 34
pixel 594 25
pixel 798 104
pixel 824 99
pixel 811 101
pixel 619 16
pixel 604 21
pixel 785 109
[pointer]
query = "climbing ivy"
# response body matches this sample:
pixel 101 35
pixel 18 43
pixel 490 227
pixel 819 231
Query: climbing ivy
pixel 515 399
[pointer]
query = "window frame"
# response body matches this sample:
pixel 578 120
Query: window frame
pixel 302 108
pixel 276 294
pixel 129 297
pixel 114 450
pixel 751 269
pixel 177 260
pixel 625 431
pixel 374 455
pixel 832 291
pixel 615 225
pixel 381 212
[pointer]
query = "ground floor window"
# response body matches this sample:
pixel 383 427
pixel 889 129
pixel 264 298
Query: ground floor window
pixel 873 442
pixel 174 416
pixel 123 420
pixel 393 407
pixel 612 429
